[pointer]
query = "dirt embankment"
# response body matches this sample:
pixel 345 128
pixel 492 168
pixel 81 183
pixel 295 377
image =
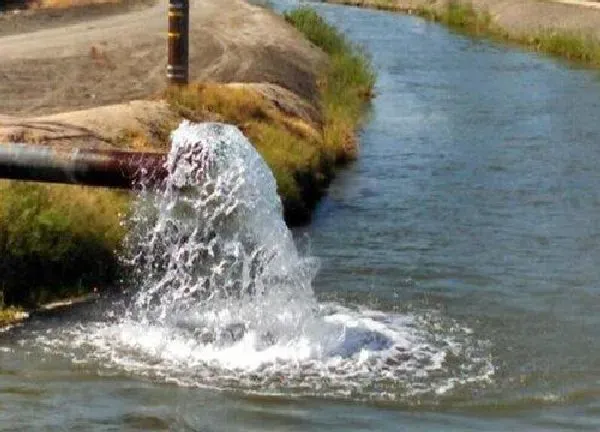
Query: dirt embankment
pixel 105 60
pixel 100 81
pixel 518 18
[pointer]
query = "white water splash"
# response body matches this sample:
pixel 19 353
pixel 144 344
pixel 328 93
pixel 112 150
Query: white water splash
pixel 224 299
pixel 212 250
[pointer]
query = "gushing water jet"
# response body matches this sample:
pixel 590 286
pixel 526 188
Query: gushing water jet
pixel 222 298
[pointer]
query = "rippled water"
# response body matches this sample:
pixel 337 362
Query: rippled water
pixel 222 299
pixel 457 286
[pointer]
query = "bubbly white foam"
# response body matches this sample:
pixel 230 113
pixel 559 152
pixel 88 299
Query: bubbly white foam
pixel 224 300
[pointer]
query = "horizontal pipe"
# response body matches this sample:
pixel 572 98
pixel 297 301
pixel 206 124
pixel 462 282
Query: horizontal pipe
pixel 90 167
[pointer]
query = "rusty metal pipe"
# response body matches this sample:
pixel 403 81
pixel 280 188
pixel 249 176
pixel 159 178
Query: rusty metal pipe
pixel 178 42
pixel 90 167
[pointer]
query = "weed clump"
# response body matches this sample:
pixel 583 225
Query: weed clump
pixel 346 85
pixel 56 240
pixel 572 46
pixel 291 146
pixel 301 154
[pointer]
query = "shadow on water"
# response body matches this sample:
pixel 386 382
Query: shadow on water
pixel 75 314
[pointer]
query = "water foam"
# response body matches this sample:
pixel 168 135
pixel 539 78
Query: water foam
pixel 224 300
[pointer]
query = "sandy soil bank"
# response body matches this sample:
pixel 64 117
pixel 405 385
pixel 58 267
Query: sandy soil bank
pixel 119 58
pixel 113 125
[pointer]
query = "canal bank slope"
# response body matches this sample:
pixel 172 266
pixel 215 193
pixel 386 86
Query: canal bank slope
pixel 101 83
pixel 566 28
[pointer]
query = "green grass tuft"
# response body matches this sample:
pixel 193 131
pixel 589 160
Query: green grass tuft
pixel 346 85
pixel 459 15
pixel 56 240
pixel 572 46
pixel 466 17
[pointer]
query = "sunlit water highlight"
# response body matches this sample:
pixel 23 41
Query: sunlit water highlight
pixel 224 300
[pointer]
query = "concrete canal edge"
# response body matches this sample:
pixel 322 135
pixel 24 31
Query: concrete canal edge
pixel 288 104
pixel 563 28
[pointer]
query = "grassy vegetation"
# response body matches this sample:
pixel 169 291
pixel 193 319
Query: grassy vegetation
pixel 302 155
pixel 346 85
pixel 461 15
pixel 573 46
pixel 56 240
pixel 291 146
pixel 578 47
pixel 60 240
pixel 10 315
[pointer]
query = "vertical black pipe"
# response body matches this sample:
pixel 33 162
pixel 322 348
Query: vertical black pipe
pixel 178 42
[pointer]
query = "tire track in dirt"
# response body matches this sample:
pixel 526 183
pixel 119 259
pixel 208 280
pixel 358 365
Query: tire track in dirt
pixel 123 57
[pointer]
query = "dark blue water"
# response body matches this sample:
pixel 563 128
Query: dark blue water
pixel 477 193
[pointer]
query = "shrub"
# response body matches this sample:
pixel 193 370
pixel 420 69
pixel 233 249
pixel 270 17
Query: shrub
pixel 346 85
pixel 56 239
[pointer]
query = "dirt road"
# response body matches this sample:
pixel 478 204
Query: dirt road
pixel 118 58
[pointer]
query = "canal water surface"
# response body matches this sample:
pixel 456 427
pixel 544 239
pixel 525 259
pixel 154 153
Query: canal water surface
pixel 458 282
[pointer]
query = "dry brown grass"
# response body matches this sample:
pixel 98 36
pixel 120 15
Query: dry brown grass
pixel 10 315
pixel 61 4
pixel 292 146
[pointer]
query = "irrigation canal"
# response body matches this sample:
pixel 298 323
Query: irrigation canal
pixel 459 257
